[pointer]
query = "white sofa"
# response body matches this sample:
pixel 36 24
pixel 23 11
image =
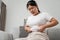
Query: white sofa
pixel 5 36
pixel 54 33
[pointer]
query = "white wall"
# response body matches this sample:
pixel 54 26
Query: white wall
pixel 16 12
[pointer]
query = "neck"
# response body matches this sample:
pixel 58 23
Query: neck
pixel 36 13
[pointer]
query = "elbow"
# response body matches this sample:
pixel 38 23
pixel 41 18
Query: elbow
pixel 56 22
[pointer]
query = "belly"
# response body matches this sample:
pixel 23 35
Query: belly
pixel 37 21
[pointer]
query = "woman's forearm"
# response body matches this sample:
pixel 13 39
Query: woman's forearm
pixel 52 23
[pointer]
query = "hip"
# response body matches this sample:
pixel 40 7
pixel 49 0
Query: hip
pixel 38 35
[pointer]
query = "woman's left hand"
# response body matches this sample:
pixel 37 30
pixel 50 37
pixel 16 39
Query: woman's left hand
pixel 41 28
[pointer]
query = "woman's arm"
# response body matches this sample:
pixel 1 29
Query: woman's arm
pixel 27 28
pixel 52 23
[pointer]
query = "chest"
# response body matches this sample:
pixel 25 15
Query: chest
pixel 35 20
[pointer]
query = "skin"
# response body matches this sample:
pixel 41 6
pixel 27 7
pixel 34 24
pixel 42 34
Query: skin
pixel 34 11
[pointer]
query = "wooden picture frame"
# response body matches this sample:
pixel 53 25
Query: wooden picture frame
pixel 2 16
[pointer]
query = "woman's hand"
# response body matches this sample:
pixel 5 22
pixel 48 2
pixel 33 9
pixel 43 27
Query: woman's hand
pixel 27 28
pixel 41 28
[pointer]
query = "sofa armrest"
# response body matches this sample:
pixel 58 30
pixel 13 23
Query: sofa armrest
pixel 54 33
pixel 23 33
pixel 5 36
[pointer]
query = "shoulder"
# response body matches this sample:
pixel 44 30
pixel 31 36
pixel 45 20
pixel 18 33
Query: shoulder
pixel 29 17
pixel 46 14
pixel 43 14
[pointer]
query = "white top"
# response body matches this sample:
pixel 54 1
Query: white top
pixel 40 19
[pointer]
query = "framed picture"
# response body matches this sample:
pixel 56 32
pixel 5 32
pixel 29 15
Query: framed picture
pixel 2 15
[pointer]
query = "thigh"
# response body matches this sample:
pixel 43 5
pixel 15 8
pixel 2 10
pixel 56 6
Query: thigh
pixel 37 36
pixel 20 39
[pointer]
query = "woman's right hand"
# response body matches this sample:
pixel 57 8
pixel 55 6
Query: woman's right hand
pixel 27 28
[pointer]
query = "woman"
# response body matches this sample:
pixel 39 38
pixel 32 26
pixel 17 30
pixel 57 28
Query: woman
pixel 38 22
